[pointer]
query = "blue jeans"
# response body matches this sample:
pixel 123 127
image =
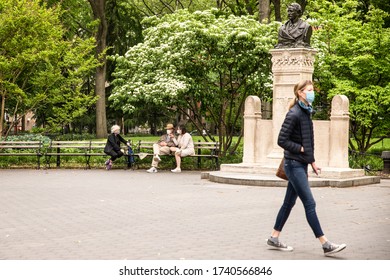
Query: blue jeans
pixel 298 186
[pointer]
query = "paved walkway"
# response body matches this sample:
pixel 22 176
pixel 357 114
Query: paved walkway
pixel 126 214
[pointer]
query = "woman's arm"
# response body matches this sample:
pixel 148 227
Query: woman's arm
pixel 123 140
pixel 185 140
pixel 284 138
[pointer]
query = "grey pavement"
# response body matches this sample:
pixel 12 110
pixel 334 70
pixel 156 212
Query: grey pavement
pixel 134 215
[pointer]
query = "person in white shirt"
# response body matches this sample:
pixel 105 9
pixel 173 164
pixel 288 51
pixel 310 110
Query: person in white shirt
pixel 185 147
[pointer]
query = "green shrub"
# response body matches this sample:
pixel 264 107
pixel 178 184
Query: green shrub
pixel 29 137
pixel 365 161
pixel 75 137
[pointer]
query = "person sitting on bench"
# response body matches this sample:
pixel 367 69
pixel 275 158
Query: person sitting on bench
pixel 185 147
pixel 112 147
pixel 162 147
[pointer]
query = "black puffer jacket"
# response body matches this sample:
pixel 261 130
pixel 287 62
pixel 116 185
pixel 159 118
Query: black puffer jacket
pixel 297 131
pixel 113 143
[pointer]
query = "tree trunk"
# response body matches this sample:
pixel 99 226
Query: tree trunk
pixel 2 114
pixel 101 121
pixel 98 8
pixel 278 16
pixel 303 5
pixel 264 10
pixel 248 7
pixel 23 123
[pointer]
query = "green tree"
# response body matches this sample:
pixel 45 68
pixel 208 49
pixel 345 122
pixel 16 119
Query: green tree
pixel 39 70
pixel 115 24
pixel 354 60
pixel 200 64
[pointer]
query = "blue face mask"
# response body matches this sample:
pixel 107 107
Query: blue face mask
pixel 310 97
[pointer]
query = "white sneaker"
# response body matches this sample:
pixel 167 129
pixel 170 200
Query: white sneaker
pixel 156 158
pixel 152 170
pixel 176 170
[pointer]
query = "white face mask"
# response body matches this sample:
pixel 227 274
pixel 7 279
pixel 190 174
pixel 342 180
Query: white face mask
pixel 310 96
pixel 169 131
pixel 178 131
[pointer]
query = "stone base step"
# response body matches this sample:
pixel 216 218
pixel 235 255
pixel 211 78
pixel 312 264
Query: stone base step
pixel 269 180
pixel 326 172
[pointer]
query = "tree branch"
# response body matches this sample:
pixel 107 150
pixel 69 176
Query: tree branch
pixel 147 7
pixel 167 6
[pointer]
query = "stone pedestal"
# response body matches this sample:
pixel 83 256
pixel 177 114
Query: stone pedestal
pixel 339 131
pixel 289 66
pixel 331 143
pixel 262 155
pixel 251 116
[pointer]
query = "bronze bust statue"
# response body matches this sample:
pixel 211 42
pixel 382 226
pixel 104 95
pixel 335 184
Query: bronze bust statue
pixel 295 33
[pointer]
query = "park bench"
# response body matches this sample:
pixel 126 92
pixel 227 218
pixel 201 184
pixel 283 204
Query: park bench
pixel 209 150
pixel 97 149
pixel 67 149
pixel 22 149
pixel 86 149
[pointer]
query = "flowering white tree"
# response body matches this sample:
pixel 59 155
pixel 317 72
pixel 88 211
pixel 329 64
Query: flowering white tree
pixel 203 64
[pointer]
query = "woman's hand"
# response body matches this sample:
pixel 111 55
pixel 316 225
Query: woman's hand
pixel 316 169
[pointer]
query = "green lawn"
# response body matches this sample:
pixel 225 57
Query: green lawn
pixel 382 145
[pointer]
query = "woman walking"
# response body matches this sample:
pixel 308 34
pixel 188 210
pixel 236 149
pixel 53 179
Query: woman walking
pixel 296 137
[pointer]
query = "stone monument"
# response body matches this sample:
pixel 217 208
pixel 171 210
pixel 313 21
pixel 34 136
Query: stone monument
pixel 293 61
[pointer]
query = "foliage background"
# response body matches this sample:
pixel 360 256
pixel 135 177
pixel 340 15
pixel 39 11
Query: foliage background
pixel 200 64
pixel 40 70
pixel 47 63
